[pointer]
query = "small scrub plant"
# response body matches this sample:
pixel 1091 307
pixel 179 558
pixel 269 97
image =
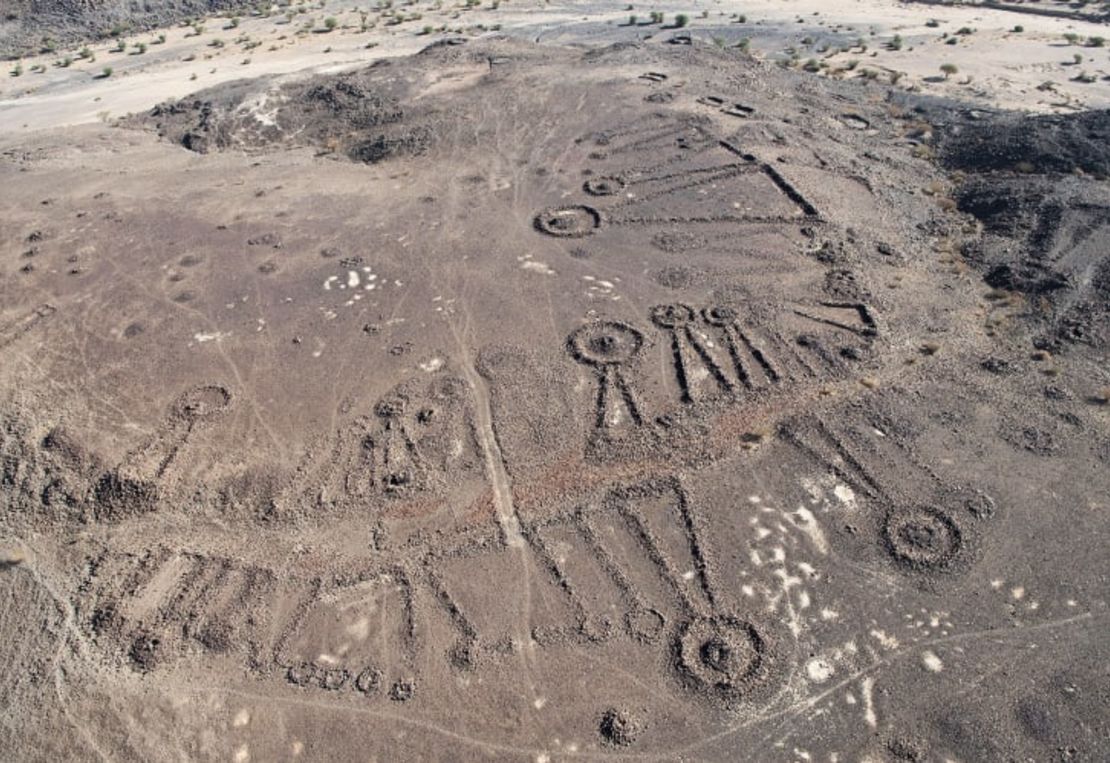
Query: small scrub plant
pixel 85 53
pixel 330 23
pixel 1096 42
pixel 1018 29
pixel 681 20
pixel 140 48
pixel 105 73
pixel 1071 38
pixel 948 70
pixel 896 43
pixel 121 46
pixel 17 70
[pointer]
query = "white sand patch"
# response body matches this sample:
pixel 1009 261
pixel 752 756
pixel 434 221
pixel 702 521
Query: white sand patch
pixel 887 641
pixel 537 267
pixel 819 670
pixel 215 336
pixel 931 662
pixel 804 520
pixel 866 686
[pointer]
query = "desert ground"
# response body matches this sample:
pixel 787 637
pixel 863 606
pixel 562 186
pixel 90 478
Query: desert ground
pixel 521 381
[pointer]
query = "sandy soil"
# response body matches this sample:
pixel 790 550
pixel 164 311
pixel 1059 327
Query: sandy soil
pixel 1032 70
pixel 540 402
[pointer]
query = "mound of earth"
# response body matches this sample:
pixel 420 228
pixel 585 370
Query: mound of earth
pixel 28 26
pixel 1047 240
pixel 1038 187
pixel 1064 143
pixel 357 114
pixel 533 402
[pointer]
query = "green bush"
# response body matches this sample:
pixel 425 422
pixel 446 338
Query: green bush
pixel 681 20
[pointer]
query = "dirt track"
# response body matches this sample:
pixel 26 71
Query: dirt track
pixel 541 403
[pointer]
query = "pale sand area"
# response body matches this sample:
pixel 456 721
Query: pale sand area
pixel 1032 70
